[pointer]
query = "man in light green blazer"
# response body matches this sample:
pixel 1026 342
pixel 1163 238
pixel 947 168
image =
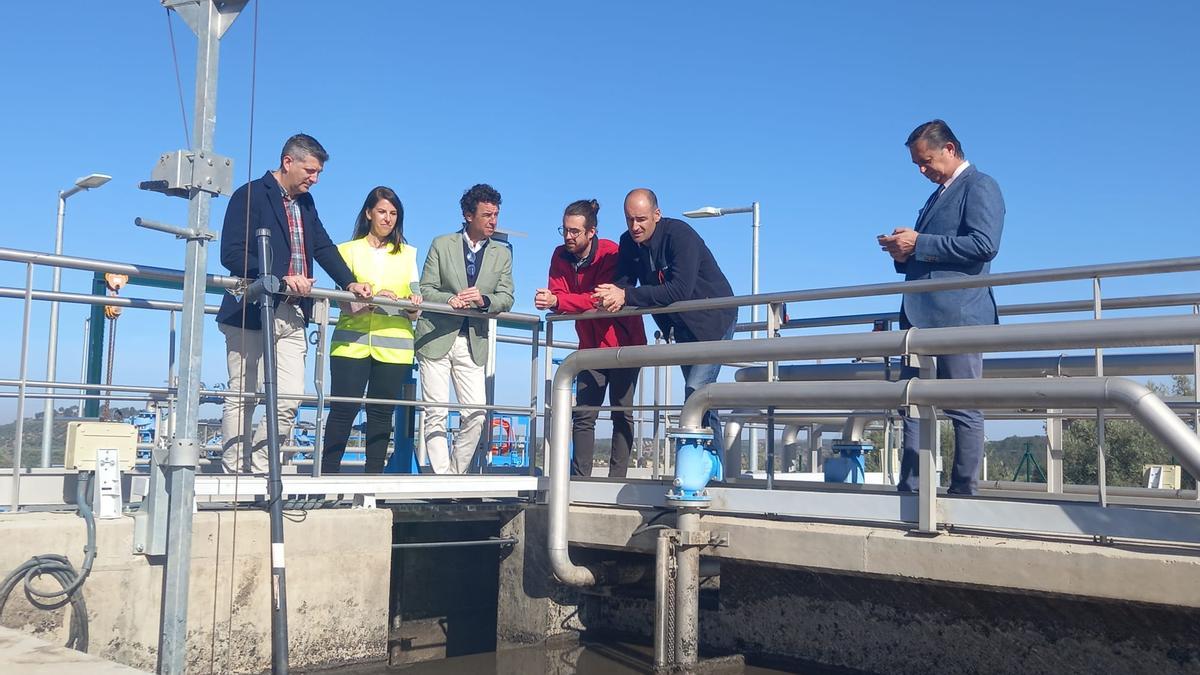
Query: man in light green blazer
pixel 465 270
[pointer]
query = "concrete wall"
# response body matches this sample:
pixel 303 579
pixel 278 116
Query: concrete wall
pixel 533 606
pixel 808 621
pixel 819 596
pixel 337 575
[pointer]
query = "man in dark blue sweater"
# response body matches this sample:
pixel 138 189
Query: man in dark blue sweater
pixel 662 261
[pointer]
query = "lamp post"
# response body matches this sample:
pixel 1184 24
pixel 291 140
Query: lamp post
pixel 88 182
pixel 715 212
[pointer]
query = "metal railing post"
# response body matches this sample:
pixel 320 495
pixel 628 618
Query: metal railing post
pixel 19 429
pixel 531 435
pixel 548 373
pixel 321 316
pixel 930 449
pixel 1054 452
pixel 79 412
pixel 1101 470
pixel 657 425
pixel 1196 393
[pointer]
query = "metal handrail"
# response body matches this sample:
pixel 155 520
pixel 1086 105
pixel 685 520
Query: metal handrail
pixel 216 281
pixel 1025 309
pixel 1038 276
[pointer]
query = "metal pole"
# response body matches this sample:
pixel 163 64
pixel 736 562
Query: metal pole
pixel 19 430
pixel 753 317
pixel 687 592
pixel 641 414
pixel 547 371
pixel 1101 470
pixel 656 469
pixel 79 412
pixel 208 22
pixel 321 314
pixel 1196 390
pixel 268 285
pixel 770 448
pixel 531 434
pixel 52 348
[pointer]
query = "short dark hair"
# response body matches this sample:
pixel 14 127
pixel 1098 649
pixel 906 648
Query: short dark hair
pixel 588 208
pixel 362 226
pixel 645 192
pixel 481 193
pixel 301 146
pixel 935 133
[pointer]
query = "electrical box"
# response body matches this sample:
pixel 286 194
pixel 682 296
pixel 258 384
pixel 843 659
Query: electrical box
pixel 1163 476
pixel 85 438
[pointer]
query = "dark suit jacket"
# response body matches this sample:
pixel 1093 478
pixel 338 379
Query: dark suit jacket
pixel 675 264
pixel 239 248
pixel 959 234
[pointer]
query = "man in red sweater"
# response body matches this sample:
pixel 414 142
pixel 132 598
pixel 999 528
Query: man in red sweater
pixel 578 266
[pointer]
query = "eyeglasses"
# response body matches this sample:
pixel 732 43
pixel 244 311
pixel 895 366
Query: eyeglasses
pixel 470 263
pixel 570 234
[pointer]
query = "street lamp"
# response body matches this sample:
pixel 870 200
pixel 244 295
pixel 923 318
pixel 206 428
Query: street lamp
pixel 88 182
pixel 715 212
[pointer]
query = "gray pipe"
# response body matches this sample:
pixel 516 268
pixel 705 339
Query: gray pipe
pixel 856 424
pixel 1090 392
pixel 966 339
pixel 1147 364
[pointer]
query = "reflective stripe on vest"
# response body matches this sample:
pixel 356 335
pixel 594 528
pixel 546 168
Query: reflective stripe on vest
pixel 347 336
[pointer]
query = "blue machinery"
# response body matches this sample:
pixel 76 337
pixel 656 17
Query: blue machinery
pixel 848 465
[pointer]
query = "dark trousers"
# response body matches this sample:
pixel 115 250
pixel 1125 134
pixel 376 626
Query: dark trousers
pixel 589 390
pixel 349 377
pixel 968 429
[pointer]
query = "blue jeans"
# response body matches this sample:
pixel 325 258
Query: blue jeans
pixel 698 375
pixel 968 430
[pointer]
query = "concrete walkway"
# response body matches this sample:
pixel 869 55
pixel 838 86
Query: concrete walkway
pixel 25 654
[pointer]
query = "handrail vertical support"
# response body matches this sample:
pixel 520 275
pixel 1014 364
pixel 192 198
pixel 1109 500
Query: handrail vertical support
pixel 1054 452
pixel 929 450
pixel 1196 391
pixel 531 435
pixel 19 429
pixel 1101 470
pixel 548 374
pixel 321 317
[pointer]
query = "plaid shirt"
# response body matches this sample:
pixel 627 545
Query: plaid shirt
pixel 296 266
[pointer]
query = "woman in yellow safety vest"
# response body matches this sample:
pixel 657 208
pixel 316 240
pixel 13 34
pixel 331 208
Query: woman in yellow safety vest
pixel 372 346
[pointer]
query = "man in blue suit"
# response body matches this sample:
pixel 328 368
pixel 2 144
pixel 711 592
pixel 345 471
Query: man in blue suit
pixel 957 234
pixel 280 202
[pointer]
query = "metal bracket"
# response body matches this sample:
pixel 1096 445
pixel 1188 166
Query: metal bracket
pixel 178 173
pixel 189 11
pixel 698 538
pixel 179 232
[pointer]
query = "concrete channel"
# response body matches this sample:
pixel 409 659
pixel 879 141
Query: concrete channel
pixel 365 591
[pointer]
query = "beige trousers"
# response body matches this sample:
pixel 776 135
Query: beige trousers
pixel 468 388
pixel 243 355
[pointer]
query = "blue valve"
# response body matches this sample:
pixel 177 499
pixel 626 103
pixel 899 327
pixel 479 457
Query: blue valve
pixel 696 463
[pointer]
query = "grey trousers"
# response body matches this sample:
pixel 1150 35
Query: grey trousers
pixel 243 356
pixel 968 430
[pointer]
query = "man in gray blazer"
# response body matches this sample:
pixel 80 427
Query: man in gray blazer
pixel 957 234
pixel 465 270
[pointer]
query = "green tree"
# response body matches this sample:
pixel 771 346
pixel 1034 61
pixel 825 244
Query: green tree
pixel 1128 446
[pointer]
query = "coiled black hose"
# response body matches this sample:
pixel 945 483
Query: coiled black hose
pixel 59 568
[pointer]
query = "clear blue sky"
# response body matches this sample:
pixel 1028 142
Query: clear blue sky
pixel 1083 111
